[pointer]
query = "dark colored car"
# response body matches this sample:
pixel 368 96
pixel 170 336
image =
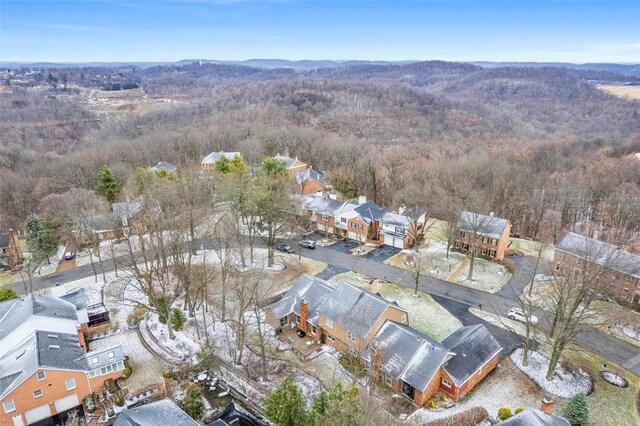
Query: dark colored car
pixel 69 255
pixel 308 244
pixel 285 248
pixel 301 333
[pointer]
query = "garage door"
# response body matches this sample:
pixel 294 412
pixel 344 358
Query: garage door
pixel 42 412
pixel 67 403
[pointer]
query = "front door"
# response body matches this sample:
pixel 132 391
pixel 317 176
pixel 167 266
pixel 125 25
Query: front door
pixel 408 390
pixel 636 299
pixel 17 420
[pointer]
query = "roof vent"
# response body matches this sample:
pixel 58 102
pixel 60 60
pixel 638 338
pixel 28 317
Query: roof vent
pixel 20 354
pixel 52 336
pixel 54 347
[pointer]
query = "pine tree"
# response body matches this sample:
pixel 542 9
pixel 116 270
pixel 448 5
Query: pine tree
pixel 285 405
pixel 576 411
pixel 222 165
pixel 39 239
pixel 108 184
pixel 177 319
pixel 192 404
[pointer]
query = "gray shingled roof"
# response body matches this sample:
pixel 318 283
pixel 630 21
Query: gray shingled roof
pixel 77 298
pixel 215 156
pixel 102 222
pixel 312 289
pixel 327 206
pixel 473 346
pixel 371 211
pixel 288 161
pixel 129 208
pixel 407 354
pixel 600 252
pixel 308 174
pixel 5 238
pixel 16 311
pixel 531 417
pixel 164 165
pixel 163 412
pixel 488 226
pixel 353 308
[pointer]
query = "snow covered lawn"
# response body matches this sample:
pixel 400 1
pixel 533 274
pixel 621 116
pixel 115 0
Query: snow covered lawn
pixel 531 248
pixel 487 276
pixel 425 314
pixel 564 383
pixel 433 260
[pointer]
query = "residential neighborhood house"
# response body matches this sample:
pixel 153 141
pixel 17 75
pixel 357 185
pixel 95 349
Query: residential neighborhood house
pixel 532 417
pixel 10 251
pixel 138 216
pixel 377 332
pixel 45 368
pixel 576 253
pixel 208 163
pixel 491 234
pixel 163 165
pixel 162 412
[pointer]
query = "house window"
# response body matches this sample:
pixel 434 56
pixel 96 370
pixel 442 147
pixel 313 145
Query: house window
pixel 313 329
pixel 70 383
pixel 403 319
pixel 353 352
pixel 37 393
pixel 298 319
pixel 399 230
pixel 367 364
pixel 325 217
pixel 283 321
pixel 351 336
pixel 353 225
pixel 484 251
pixel 492 253
pixel 95 360
pixel 41 375
pixel 330 337
pixel 557 266
pixel 360 227
pixel 446 383
pixel 638 283
pixel 9 406
pixel 111 355
pixel 329 323
pixel 387 378
pixel 343 220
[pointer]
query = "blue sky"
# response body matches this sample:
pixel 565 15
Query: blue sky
pixel 158 30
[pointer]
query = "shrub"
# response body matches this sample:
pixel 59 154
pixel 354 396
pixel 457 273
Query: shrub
pixel 443 397
pixel 111 386
pixel 111 412
pixel 135 317
pixel 120 401
pixel 508 265
pixel 177 319
pixel 576 411
pixel 192 404
pixel 431 403
pixel 504 413
pixel 519 410
pixel 7 294
pixel 168 375
pixel 127 371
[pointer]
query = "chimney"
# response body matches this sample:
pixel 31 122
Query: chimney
pixel 304 316
pixel 402 209
pixel 490 214
pixel 333 197
pixel 362 199
pixel 547 405
pixel 376 357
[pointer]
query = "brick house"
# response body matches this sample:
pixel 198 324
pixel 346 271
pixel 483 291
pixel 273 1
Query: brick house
pixel 208 163
pixel 310 181
pixel 490 234
pixel 10 251
pixel 103 227
pixel 293 165
pixel 376 330
pixel 324 212
pixel 165 166
pixel 614 267
pixel 138 216
pixel 45 368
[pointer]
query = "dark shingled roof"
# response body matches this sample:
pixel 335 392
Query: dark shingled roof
pixel 76 297
pixel 288 161
pixel 530 417
pixel 16 311
pixel 312 289
pixel 473 346
pixel 233 413
pixel 601 253
pixel 163 165
pixel 163 412
pixel 407 354
pixel 488 226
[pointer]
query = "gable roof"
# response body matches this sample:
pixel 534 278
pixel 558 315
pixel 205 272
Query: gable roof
pixel 164 165
pixel 407 354
pixel 215 156
pixel 531 417
pixel 288 161
pixel 130 208
pixel 327 206
pixel 16 311
pixel 488 226
pixel 163 412
pixel 5 240
pixel 231 415
pixel 102 222
pixel 602 253
pixel 310 174
pixel 312 289
pixel 473 346
pixel 354 309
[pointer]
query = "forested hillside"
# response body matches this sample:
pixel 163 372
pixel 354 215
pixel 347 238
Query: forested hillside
pixel 541 146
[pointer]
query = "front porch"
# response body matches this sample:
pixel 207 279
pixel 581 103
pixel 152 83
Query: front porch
pixel 301 346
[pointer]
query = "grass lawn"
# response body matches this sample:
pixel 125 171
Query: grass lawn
pixel 530 248
pixel 432 263
pixel 312 267
pixel 609 405
pixel 6 278
pixel 487 276
pixel 425 314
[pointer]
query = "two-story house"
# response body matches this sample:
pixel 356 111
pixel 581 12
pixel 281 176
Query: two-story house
pixel 293 165
pixel 45 368
pixel 10 251
pixel 310 181
pixel 617 271
pixel 377 331
pixel 138 216
pixel 488 234
pixel 208 163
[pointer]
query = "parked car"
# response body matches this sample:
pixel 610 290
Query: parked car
pixel 285 248
pixel 519 314
pixel 308 244
pixel 301 333
pixel 69 255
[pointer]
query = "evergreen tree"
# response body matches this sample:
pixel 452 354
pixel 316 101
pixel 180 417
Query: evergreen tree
pixel 177 319
pixel 273 168
pixel 285 405
pixel 108 184
pixel 238 166
pixel 7 294
pixel 338 407
pixel 345 185
pixel 192 403
pixel 207 357
pixel 39 239
pixel 222 165
pixel 576 411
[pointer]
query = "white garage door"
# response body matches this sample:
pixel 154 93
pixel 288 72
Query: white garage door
pixel 66 403
pixel 398 243
pixel 42 412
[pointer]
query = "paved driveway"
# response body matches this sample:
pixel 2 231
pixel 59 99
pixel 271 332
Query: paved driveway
pixel 524 271
pixel 382 253
pixel 330 271
pixel 343 246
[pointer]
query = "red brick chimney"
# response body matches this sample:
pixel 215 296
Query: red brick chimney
pixel 376 357
pixel 304 316
pixel 547 405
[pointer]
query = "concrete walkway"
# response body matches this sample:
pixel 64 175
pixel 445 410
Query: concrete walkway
pixel 454 275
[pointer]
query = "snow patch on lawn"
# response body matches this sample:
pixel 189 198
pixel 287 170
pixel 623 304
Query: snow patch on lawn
pixel 564 384
pixel 629 331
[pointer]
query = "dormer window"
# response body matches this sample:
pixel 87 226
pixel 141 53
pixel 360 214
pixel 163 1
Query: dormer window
pixel 111 355
pixel 95 360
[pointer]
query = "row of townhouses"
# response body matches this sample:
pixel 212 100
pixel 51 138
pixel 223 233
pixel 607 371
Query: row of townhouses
pixel 377 332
